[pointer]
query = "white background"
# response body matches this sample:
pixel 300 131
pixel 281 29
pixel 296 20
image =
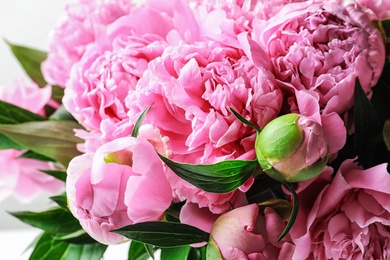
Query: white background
pixel 26 22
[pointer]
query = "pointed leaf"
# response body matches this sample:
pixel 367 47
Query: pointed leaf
pixel 177 253
pixel 49 248
pixel 386 134
pixel 30 60
pixel 56 220
pixel 60 175
pixel 222 177
pixel 245 121
pixel 7 143
pixel 35 156
pixel 11 114
pixel 164 234
pixel 54 139
pixel 294 212
pixel 366 126
pixel 79 237
pixel 137 251
pixel 138 124
pixel 61 201
pixel 62 114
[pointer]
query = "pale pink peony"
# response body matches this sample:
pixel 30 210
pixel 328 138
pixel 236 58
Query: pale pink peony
pixel 112 187
pixel 243 233
pixel 81 25
pixel 346 217
pixel 22 178
pixel 321 47
pixel 191 87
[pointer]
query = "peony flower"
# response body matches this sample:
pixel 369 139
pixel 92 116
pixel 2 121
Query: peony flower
pixel 112 188
pixel 243 233
pixel 346 217
pixel 191 87
pixel 79 27
pixel 111 67
pixel 376 10
pixel 321 47
pixel 22 177
pixel 292 148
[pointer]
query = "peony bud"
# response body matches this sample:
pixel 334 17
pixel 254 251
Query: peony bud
pixel 292 148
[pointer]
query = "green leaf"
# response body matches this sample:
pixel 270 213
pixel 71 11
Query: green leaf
pixel 30 60
pixel 294 212
pixel 35 156
pixel 60 175
pixel 177 253
pixel 222 177
pixel 62 114
pixel 61 200
pixel 11 114
pixel 163 234
pixel 57 93
pixel 79 237
pixel 137 251
pixel 280 206
pixel 7 143
pixel 54 139
pixel 150 249
pixel 367 125
pixel 245 121
pixel 49 248
pixel 55 220
pixel 138 124
pixel 386 134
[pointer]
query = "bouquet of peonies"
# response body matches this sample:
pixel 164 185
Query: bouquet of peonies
pixel 236 129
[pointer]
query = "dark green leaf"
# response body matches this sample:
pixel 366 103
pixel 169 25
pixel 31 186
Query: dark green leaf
pixel 222 177
pixel 164 234
pixel 137 251
pixel 49 248
pixel 7 143
pixel 11 114
pixel 79 237
pixel 198 253
pixel 150 249
pixel 245 121
pixel 367 125
pixel 61 200
pixel 61 175
pixel 56 220
pixel 177 253
pixel 57 93
pixel 30 60
pixel 62 114
pixel 138 124
pixel 294 212
pixel 35 156
pixel 54 139
pixel 386 134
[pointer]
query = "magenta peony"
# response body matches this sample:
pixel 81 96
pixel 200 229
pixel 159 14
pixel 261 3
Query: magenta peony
pixel 111 188
pixel 346 217
pixel 243 233
pixel 322 47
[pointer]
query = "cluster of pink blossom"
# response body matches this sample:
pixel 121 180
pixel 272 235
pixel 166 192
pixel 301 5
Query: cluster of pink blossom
pixel 188 63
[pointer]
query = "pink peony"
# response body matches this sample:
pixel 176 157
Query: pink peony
pixel 80 26
pixel 321 47
pixel 22 177
pixel 191 87
pixel 111 188
pixel 346 217
pixel 243 233
pixel 376 9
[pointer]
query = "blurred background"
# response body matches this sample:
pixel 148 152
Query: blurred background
pixel 26 22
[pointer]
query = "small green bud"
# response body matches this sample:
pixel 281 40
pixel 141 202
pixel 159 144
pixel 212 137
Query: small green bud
pixel 292 148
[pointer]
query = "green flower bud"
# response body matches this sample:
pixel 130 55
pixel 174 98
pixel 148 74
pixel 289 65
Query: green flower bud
pixel 292 148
